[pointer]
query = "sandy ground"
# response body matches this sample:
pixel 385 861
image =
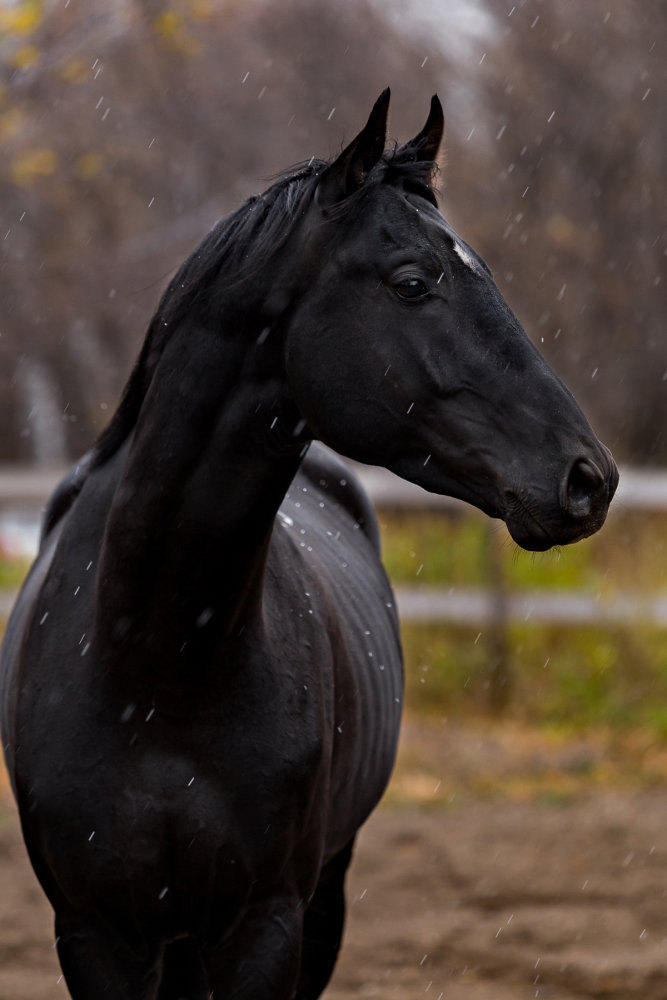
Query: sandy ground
pixel 533 888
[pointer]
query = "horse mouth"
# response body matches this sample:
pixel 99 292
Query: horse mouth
pixel 527 527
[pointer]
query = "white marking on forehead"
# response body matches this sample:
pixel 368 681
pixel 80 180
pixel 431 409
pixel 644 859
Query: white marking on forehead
pixel 467 259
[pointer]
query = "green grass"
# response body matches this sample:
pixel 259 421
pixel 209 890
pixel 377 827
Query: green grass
pixel 630 552
pixel 564 676
pixel 432 549
pixel 12 573
pixel 573 678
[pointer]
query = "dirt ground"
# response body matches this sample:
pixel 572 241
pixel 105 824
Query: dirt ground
pixel 540 883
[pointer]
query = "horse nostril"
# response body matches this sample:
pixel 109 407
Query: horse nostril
pixel 582 487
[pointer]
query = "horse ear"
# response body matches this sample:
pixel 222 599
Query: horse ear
pixel 426 143
pixel 348 171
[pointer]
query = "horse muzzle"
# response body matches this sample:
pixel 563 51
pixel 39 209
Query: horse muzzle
pixel 583 497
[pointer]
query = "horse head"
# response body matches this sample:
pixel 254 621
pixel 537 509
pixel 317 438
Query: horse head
pixel 401 351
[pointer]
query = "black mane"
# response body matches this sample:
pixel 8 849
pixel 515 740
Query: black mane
pixel 235 247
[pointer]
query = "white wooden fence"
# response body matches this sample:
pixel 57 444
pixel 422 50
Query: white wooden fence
pixel 23 492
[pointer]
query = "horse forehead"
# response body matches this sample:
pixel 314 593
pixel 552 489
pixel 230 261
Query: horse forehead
pixel 463 251
pixel 389 221
pixel 409 220
pixel 443 233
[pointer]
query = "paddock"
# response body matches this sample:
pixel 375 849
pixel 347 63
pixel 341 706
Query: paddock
pixel 509 898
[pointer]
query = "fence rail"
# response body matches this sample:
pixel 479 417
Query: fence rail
pixel 639 489
pixel 23 491
pixel 472 606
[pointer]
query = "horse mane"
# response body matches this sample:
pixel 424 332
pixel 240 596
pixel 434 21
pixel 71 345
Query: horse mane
pixel 235 247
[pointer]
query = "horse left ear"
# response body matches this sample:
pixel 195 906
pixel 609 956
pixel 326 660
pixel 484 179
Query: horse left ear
pixel 349 170
pixel 426 143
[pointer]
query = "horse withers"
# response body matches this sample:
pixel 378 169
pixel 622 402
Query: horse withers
pixel 202 678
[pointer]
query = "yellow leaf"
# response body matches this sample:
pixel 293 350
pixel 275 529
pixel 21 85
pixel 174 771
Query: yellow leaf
pixel 21 19
pixel 25 56
pixel 172 31
pixel 89 165
pixel 168 24
pixel 74 70
pixel 33 163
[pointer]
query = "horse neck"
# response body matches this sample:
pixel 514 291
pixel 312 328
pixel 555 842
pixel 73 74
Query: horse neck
pixel 213 453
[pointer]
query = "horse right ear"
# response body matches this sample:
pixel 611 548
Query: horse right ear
pixel 426 144
pixel 349 170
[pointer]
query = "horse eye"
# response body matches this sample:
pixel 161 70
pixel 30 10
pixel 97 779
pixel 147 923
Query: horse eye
pixel 410 288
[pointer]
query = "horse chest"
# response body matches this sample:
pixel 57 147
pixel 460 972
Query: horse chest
pixel 170 835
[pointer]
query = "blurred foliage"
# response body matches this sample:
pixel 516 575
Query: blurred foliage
pixel 579 96
pixel 591 676
pixel 128 128
pixel 12 572
pixel 136 127
pixel 432 548
pixel 572 677
pixel 628 554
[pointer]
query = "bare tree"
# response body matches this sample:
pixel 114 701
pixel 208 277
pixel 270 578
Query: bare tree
pixel 129 128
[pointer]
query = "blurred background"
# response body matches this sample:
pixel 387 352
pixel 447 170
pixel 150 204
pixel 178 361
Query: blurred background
pixel 534 745
pixel 129 128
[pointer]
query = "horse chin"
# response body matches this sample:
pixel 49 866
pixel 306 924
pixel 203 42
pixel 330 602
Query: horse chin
pixel 534 536
pixel 534 540
pixel 533 525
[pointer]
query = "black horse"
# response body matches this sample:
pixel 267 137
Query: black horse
pixel 202 676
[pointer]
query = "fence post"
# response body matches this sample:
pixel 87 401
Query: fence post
pixel 498 681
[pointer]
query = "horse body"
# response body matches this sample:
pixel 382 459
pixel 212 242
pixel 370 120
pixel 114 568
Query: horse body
pixel 202 677
pixel 240 727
